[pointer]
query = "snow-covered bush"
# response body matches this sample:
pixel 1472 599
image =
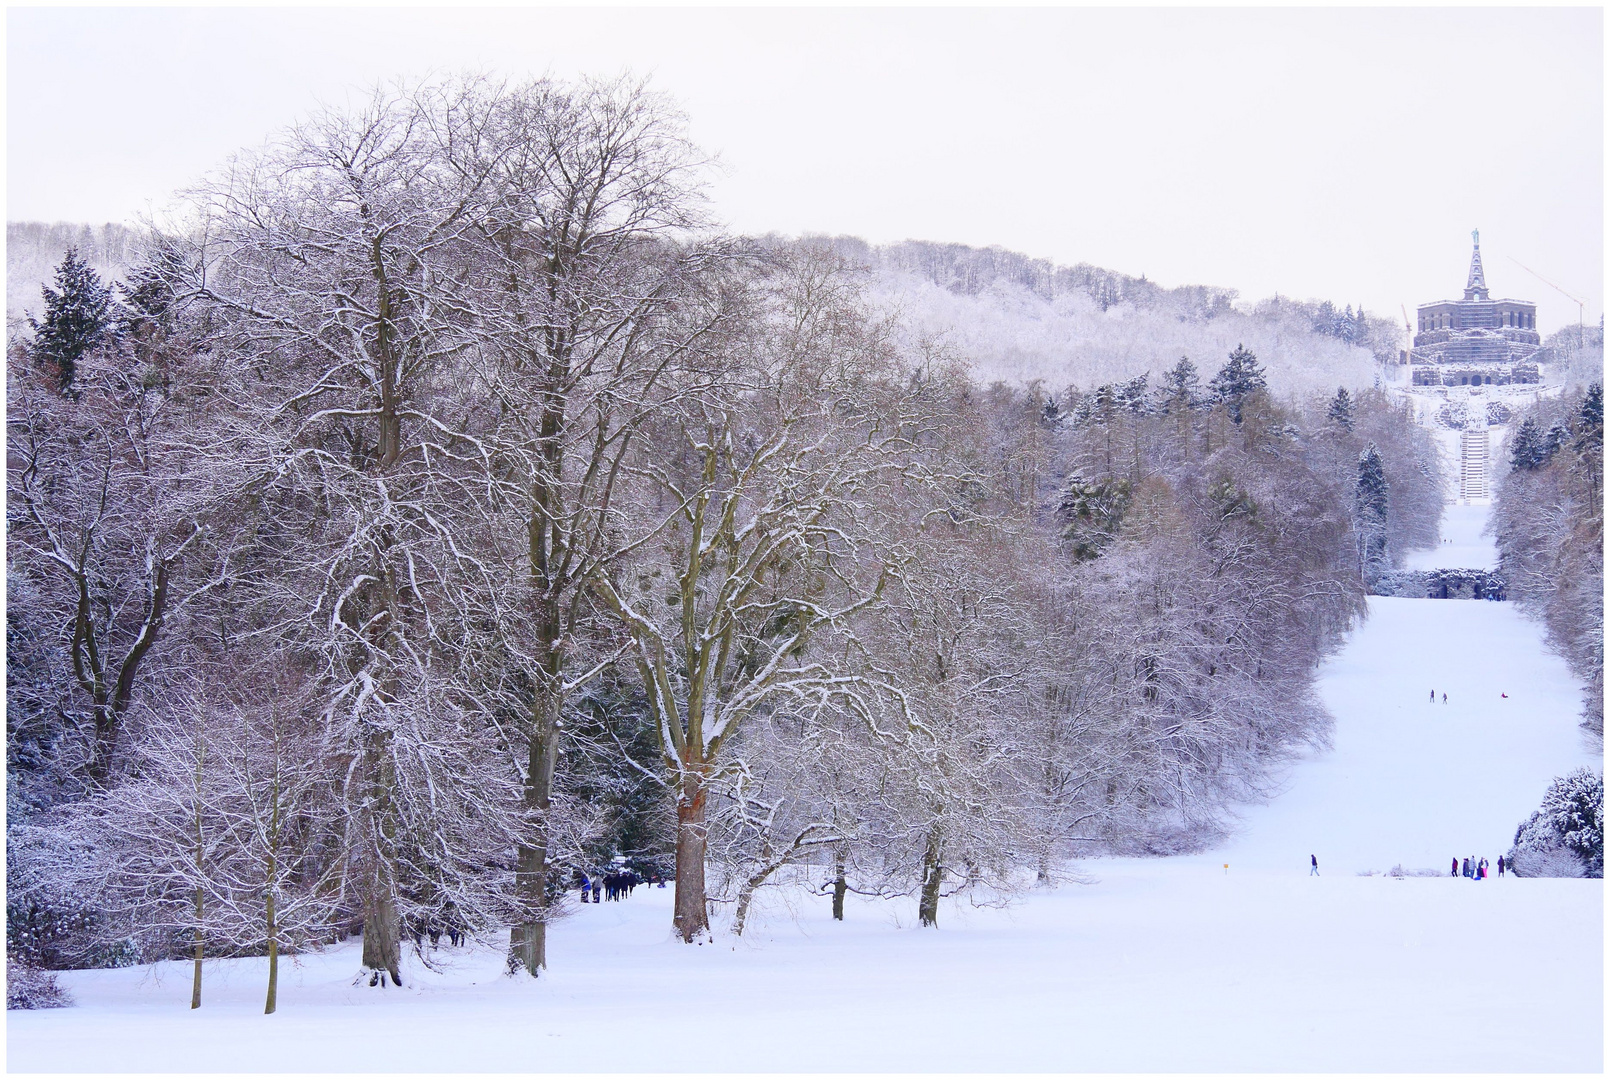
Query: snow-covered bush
pixel 1565 836
pixel 29 987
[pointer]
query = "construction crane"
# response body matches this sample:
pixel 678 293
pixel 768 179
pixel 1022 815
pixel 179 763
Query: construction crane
pixel 1580 332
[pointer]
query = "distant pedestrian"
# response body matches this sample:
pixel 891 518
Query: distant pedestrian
pixel 1464 868
pixel 1500 866
pixel 1313 866
pixel 1445 697
pixel 1454 872
pixel 1433 697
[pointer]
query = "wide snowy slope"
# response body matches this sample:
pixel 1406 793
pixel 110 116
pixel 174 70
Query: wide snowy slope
pixel 1159 965
pixel 1412 780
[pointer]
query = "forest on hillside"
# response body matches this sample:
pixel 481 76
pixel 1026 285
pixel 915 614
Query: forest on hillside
pixel 454 508
pixel 1548 522
pixel 1008 316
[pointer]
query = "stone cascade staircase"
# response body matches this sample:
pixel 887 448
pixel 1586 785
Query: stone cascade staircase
pixel 1473 463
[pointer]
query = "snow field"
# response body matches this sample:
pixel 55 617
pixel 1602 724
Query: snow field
pixel 1161 966
pixel 1468 549
pixel 1415 782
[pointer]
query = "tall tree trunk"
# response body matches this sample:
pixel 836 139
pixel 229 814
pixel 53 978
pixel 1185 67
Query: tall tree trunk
pixel 274 956
pixel 195 978
pixel 270 920
pixel 528 939
pixel 932 873
pixel 382 929
pixel 382 936
pixel 692 918
pixel 201 851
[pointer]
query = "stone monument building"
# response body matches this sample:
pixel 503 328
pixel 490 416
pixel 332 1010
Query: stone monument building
pixel 1477 341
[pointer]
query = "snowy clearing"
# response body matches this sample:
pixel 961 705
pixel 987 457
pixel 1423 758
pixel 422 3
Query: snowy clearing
pixel 1464 547
pixel 1159 965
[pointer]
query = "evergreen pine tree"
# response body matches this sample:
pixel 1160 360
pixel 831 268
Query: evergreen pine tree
pixel 1526 449
pixel 1340 412
pixel 1590 417
pixel 1181 385
pixel 1132 395
pixel 1092 512
pixel 1237 380
pixel 78 317
pixel 1558 435
pixel 1370 507
pixel 148 298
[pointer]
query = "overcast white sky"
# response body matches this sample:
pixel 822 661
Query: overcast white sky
pixel 1342 153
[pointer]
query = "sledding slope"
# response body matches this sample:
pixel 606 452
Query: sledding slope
pixel 1412 781
pixel 1416 782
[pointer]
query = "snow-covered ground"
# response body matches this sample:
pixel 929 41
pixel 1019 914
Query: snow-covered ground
pixel 1158 965
pixel 1463 546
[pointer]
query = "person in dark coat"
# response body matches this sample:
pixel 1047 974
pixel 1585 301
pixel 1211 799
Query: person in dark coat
pixel 1454 872
pixel 1500 866
pixel 1313 866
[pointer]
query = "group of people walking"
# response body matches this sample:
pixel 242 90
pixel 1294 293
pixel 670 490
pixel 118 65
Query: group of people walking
pixel 1473 868
pixel 610 885
pixel 419 930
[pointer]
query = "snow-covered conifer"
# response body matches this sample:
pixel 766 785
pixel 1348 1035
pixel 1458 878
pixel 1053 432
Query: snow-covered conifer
pixel 1237 380
pixel 1570 820
pixel 78 318
pixel 1340 412
pixel 1371 504
pixel 1526 447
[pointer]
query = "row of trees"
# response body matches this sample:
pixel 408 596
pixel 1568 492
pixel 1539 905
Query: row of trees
pixel 447 504
pixel 1548 521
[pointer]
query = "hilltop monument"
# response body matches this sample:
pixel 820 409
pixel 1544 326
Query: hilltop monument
pixel 1476 341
